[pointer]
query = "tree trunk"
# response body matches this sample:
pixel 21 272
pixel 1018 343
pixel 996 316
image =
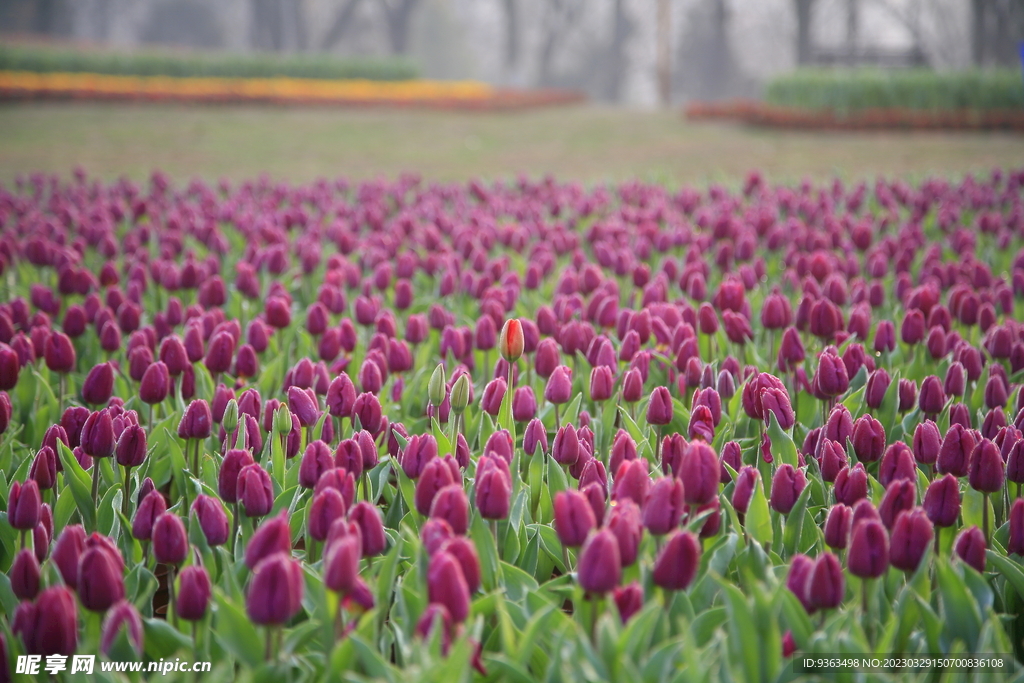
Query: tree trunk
pixel 617 62
pixel 266 25
pixel 511 34
pixel 852 18
pixel 803 31
pixel 398 20
pixel 342 21
pixel 664 52
pixel 978 31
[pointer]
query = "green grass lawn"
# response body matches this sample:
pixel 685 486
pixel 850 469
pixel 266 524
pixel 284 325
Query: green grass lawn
pixel 588 143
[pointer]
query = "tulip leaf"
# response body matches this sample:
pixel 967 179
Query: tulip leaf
pixel 161 640
pixel 973 509
pixel 758 521
pixel 109 522
pixel 1009 569
pixel 62 510
pixel 318 428
pixel 643 445
pixel 234 631
pixel 795 522
pixel 80 483
pixel 782 443
pixel 889 409
pixel 277 457
pixel 517 583
pixel 960 613
pixel 375 665
pixel 487 547
pixel 742 630
pixel 572 413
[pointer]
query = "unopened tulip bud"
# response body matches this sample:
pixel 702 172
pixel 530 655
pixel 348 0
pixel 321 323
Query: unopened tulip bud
pixel 275 593
pixel 446 585
pixel 574 518
pixel 460 394
pixel 942 501
pixel 436 386
pixel 911 536
pixel 677 563
pixel 600 564
pixel 825 585
pixel 837 526
pixel 787 484
pixel 193 596
pixel 970 547
pixel 511 341
pixel 869 550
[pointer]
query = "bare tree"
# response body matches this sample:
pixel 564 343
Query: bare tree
pixel 561 15
pixel 664 52
pixel 803 31
pixel 621 30
pixel 341 23
pixel 512 29
pixel 398 15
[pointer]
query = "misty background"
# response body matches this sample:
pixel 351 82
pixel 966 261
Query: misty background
pixel 636 52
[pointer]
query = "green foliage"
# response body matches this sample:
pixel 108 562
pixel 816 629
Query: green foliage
pixel 846 91
pixel 222 65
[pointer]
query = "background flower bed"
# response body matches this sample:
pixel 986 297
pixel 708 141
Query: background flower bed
pixel 48 59
pixel 839 99
pixel 712 387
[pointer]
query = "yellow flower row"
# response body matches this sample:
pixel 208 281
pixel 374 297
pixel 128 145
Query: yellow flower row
pixel 244 88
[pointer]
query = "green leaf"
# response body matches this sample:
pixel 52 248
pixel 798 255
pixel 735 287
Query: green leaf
pixel 758 520
pixel 234 630
pixel 782 443
pixel 486 546
pixel 161 640
pixel 795 522
pixel 960 612
pixel 80 483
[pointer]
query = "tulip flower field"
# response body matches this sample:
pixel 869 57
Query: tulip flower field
pixel 513 431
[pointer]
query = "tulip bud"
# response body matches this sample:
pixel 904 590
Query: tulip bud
pixel 66 553
pixel 463 550
pixel 100 579
pixel 24 505
pixel 170 540
pixel 600 565
pixel 663 507
pixel 787 484
pixel 149 509
pixel 193 596
pixel 837 526
pixel 24 575
pixel 625 523
pixel 628 600
pixel 775 400
pixel 122 615
pixel 50 625
pixel 367 517
pixel 869 550
pixel 825 586
pixel 970 547
pixel 436 386
pixel 746 481
pixel 907 395
pixel 574 518
pixel 511 341
pixel 59 353
pixel 566 447
pixel 899 496
pixel 559 386
pixel 341 564
pixel 700 473
pixel 986 471
pixel 911 536
pixel 446 585
pixel 254 490
pixel 632 481
pixel 1015 544
pixel 275 593
pixel 212 519
pixel 877 384
pixel 98 384
pixel 460 394
pixel 831 378
pixel 273 536
pixel 800 567
pixel 942 501
pixel 927 442
pixel 493 493
pixel 677 562
pixel 98 439
pixel 955 451
pixel 931 398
